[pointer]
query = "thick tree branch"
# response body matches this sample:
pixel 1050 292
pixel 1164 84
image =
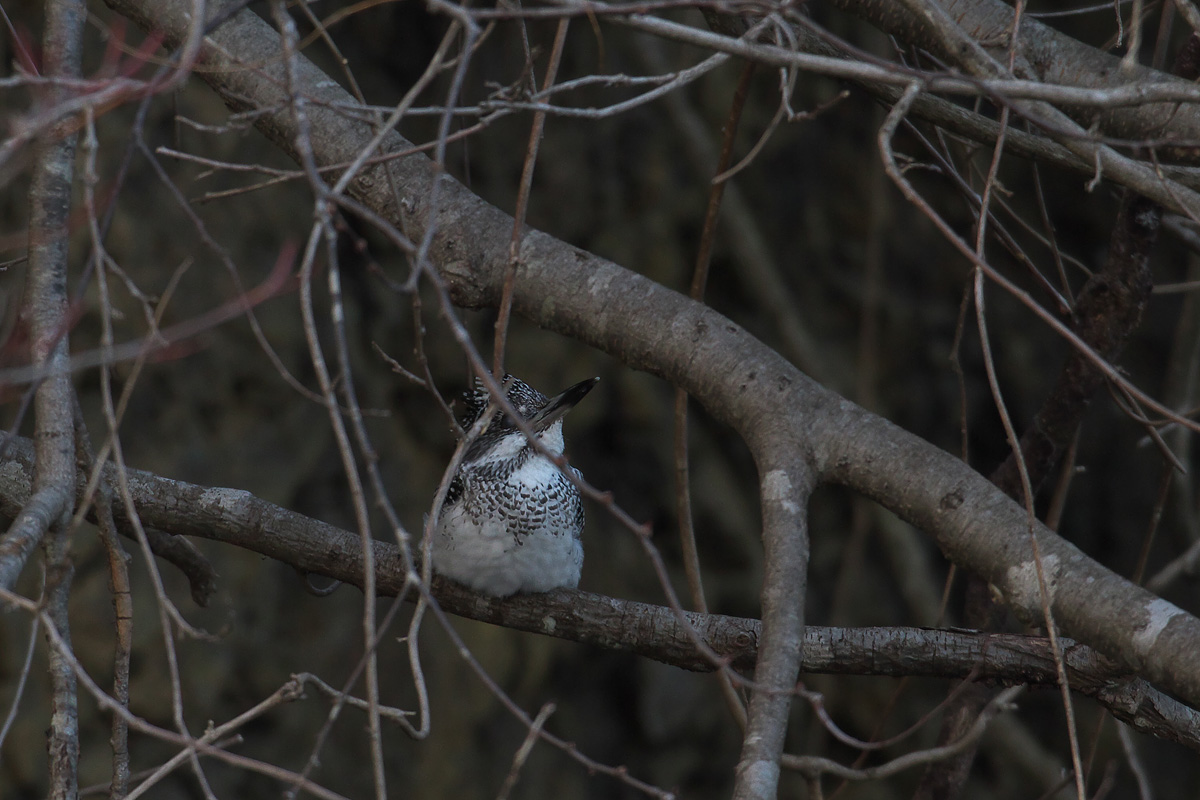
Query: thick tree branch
pixel 786 488
pixel 239 519
pixel 46 307
pixel 1044 54
pixel 979 127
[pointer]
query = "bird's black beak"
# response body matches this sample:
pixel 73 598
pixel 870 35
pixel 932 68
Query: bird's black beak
pixel 560 404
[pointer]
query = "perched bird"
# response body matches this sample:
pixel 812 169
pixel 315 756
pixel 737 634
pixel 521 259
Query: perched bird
pixel 512 521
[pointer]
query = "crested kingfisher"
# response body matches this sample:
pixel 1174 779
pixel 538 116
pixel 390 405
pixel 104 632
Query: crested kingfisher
pixel 511 521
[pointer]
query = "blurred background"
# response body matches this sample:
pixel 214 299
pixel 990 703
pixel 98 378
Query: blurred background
pixel 817 254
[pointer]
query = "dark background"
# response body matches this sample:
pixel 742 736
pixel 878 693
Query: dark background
pixel 865 274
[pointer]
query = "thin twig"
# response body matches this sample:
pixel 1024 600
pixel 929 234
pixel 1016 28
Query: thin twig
pixel 523 190
pixel 683 496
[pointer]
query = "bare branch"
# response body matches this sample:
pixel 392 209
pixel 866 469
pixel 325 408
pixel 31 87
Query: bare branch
pixel 46 304
pixel 237 518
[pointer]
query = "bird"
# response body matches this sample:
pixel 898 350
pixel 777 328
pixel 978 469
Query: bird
pixel 512 521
